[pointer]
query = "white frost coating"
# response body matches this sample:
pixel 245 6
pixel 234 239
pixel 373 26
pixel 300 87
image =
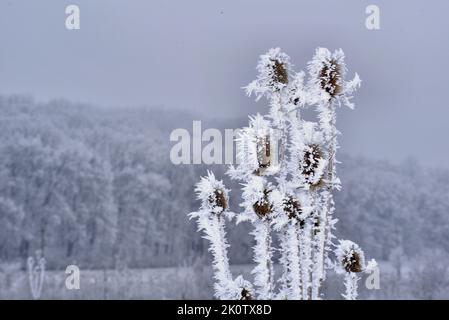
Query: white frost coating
pixel 328 88
pixel 351 286
pixel 334 62
pixel 305 252
pixel 296 94
pixel 285 278
pixel 305 141
pixel 263 271
pixel 205 190
pixel 266 83
pixel 253 191
pixel 294 264
pixel 371 266
pixel 239 286
pixel 249 142
pixel 214 232
pixel 345 250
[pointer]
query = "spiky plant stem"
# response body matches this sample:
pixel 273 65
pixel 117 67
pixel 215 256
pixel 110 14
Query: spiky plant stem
pixel 328 119
pixel 213 227
pixel 284 260
pixel 278 110
pixel 294 264
pixel 351 279
pixel 305 253
pixel 318 247
pixel 263 271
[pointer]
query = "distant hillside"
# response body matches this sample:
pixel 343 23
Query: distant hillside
pixel 96 187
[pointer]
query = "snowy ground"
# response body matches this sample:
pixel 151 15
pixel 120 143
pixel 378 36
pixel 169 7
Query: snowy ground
pixel 192 282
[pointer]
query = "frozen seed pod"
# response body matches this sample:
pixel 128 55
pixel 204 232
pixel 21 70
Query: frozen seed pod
pixel 263 206
pixel 350 256
pixel 213 194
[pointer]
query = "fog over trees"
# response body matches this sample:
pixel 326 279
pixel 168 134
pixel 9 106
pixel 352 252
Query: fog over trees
pixel 95 187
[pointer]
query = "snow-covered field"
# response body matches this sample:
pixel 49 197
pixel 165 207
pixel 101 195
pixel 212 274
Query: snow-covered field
pixel 190 282
pixel 154 283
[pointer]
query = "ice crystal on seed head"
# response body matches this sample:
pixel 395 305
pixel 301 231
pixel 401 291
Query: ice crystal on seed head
pixel 212 193
pixel 273 69
pixel 327 78
pixel 350 257
pixel 307 155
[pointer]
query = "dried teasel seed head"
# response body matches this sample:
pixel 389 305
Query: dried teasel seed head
pixel 292 207
pixel 280 74
pixel 352 263
pixel 312 156
pixel 244 290
pixel 330 78
pixel 310 163
pixel 213 194
pixel 263 207
pixel 246 294
pixel 350 256
pixel 273 68
pixel 218 200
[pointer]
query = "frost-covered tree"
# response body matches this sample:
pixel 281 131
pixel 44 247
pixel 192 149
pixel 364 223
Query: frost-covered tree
pixel 287 169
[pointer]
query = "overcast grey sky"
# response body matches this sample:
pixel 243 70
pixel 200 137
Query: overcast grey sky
pixel 197 54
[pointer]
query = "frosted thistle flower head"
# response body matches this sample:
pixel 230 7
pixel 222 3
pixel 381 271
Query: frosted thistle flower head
pixel 263 206
pixel 292 207
pixel 327 77
pixel 246 294
pixel 313 161
pixel 350 257
pixel 213 194
pixel 263 146
pixel 297 206
pixel 243 288
pixel 255 144
pixel 312 167
pixel 308 154
pixel 289 206
pixel 273 69
pixel 257 199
